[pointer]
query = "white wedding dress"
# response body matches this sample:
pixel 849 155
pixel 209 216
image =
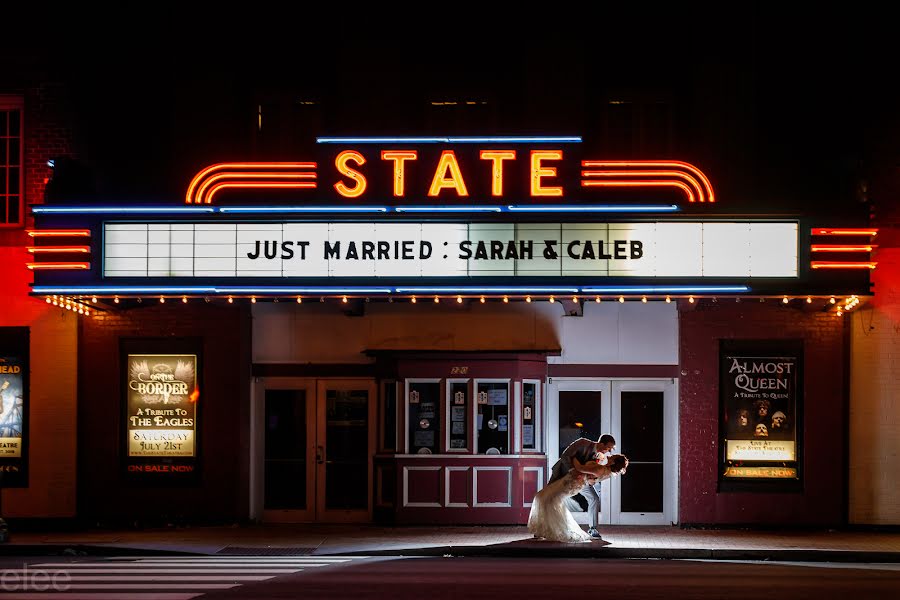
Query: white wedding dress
pixel 550 519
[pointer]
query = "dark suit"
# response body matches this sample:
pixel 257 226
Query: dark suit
pixel 584 450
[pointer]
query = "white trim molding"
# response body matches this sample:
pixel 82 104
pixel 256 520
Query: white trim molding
pixel 406 502
pixel 509 478
pixel 447 502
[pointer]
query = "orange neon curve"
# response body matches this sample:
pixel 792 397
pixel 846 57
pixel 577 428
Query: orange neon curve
pixel 686 177
pixel 842 248
pixel 59 232
pixel 654 164
pixel 643 183
pixel 829 231
pixel 203 196
pixel 238 166
pixel 257 185
pixel 58 265
pixel 821 264
pixel 57 249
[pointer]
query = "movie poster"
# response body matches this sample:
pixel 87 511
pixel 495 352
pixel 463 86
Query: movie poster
pixel 12 406
pixel 759 398
pixel 162 405
pixel 14 383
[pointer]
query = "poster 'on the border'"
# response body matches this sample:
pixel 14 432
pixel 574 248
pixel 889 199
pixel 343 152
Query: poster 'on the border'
pixel 162 405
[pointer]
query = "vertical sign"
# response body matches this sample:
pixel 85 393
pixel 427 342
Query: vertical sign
pixel 760 414
pixel 13 406
pixel 161 412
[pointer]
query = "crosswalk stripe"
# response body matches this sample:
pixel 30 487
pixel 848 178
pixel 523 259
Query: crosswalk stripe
pixel 241 557
pixel 104 595
pixel 146 586
pixel 167 571
pixel 186 564
pixel 188 577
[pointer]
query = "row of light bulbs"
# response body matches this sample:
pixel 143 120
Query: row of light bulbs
pixel 75 305
pixel 78 304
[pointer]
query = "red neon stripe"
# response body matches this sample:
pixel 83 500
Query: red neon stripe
pixel 58 265
pixel 189 197
pixel 202 192
pixel 641 183
pixel 821 264
pixel 842 248
pixel 256 185
pixel 829 231
pixel 59 232
pixel 643 164
pixel 60 249
pixel 670 174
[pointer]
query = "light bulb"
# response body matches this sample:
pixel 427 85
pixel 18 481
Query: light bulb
pixel 644 299
pixel 184 299
pixel 116 299
pixel 808 300
pixel 94 299
pixel 253 299
pixel 459 299
pixel 506 299
pixel 552 299
pixel 832 300
pixel 436 299
pixel 784 300
pixel 413 299
pixel 299 300
pixel 230 300
pixel 621 299
pixel 668 300
pixel 344 299
pixel 691 299
pixel 597 299
pixel 527 298
pixel 481 299
pixel 162 299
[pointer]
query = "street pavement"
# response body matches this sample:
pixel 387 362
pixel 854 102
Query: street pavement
pixel 512 541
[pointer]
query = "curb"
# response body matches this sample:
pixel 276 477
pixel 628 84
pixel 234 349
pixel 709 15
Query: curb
pixel 582 551
pixel 75 550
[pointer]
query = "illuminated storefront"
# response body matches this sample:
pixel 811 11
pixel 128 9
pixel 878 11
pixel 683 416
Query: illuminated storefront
pixel 433 319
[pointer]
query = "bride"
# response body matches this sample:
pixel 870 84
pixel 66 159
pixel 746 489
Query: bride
pixel 550 519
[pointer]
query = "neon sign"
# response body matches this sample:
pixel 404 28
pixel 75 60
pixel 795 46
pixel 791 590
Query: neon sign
pixel 426 169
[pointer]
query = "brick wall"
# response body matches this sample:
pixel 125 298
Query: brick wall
pixel 53 331
pixel 223 421
pixel 875 392
pixel 821 501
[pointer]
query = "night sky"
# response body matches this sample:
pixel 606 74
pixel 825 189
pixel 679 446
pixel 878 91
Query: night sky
pixel 787 109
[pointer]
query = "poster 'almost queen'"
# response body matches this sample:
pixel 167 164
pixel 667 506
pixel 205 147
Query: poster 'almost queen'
pixel 760 414
pixel 162 397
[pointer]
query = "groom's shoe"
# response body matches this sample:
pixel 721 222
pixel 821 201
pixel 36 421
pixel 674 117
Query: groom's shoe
pixel 594 533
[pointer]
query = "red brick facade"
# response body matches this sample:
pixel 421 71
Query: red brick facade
pixel 223 416
pixel 824 415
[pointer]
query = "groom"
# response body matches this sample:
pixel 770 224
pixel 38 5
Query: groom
pixel 576 455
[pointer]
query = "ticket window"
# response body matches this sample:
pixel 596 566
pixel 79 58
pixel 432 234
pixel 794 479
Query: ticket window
pixel 423 410
pixel 492 416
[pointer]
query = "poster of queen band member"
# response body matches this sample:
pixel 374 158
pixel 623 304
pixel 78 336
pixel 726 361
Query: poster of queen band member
pixel 161 414
pixel 759 399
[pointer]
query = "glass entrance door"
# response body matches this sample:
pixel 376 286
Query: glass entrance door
pixel 642 416
pixel 314 441
pixel 346 444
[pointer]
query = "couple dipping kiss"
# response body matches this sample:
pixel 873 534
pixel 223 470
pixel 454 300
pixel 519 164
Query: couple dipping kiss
pixel 579 470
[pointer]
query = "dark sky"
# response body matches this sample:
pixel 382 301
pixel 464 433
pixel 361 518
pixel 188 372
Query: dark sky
pixel 813 88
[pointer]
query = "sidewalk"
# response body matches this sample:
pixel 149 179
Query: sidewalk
pixel 509 541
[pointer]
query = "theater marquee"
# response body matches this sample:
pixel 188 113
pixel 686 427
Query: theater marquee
pixel 434 249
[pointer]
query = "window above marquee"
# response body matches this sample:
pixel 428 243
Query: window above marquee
pixel 11 162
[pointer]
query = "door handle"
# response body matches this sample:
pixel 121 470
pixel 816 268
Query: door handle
pixel 320 455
